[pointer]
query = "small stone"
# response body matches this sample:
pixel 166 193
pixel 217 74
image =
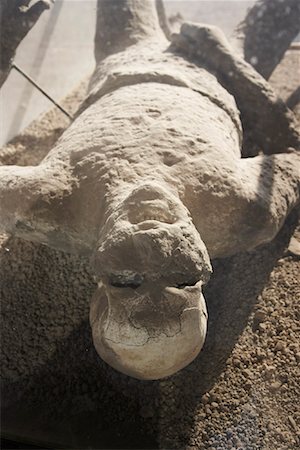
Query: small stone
pixel 294 347
pixel 214 396
pixel 283 377
pixel 262 327
pixel 247 373
pixel 293 423
pixel 248 385
pixel 214 405
pixel 279 328
pixel 236 362
pixel 269 371
pixel 260 316
pixel 280 434
pixel 279 346
pixel 208 411
pixel 237 442
pixel 275 386
pixel 205 399
pixel 294 247
pixel 297 356
pixel 260 355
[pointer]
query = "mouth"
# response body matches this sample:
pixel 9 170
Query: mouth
pixel 152 210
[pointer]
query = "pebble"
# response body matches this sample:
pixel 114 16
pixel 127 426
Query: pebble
pixel 262 326
pixel 205 399
pixel 247 373
pixel 248 385
pixel 237 442
pixel 293 423
pixel 280 434
pixel 260 316
pixel 275 386
pixel 294 247
pixel 269 371
pixel 279 346
pixel 260 355
pixel 208 410
pixel 236 362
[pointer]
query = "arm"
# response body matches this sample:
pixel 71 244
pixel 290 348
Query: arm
pixel 241 204
pixel 36 204
pixel 267 31
pixel 273 183
pixel 266 120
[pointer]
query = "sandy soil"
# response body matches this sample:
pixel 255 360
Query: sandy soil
pixel 242 392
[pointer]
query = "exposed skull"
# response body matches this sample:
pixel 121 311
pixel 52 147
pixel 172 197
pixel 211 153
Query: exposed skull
pixel 148 316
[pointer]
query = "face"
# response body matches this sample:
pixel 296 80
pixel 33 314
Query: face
pixel 148 315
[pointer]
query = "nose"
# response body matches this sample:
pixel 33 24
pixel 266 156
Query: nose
pixel 148 341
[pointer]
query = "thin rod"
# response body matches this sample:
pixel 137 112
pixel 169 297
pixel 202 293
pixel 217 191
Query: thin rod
pixel 25 75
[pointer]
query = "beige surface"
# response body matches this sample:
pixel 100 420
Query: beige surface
pixel 56 389
pixel 58 53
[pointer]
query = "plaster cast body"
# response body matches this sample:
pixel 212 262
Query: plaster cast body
pixel 149 181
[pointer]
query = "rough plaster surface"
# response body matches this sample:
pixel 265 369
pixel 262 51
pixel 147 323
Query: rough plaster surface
pixel 149 183
pixel 241 391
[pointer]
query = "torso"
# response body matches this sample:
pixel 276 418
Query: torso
pixel 156 118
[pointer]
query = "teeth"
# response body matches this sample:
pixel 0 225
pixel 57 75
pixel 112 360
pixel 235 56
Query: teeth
pixel 143 218
pixel 154 215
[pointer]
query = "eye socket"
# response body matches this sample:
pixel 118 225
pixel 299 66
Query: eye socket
pixel 131 285
pixel 128 280
pixel 186 284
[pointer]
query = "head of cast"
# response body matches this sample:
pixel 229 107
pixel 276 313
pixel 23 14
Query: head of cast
pixel 148 315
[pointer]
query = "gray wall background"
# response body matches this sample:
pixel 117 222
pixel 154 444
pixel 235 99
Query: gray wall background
pixel 58 53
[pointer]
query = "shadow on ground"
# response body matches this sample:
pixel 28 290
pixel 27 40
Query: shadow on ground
pixel 231 296
pixel 56 390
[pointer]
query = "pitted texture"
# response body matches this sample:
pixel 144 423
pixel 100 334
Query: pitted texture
pixel 149 183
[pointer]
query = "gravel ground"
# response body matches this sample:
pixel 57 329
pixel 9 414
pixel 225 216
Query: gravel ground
pixel 242 392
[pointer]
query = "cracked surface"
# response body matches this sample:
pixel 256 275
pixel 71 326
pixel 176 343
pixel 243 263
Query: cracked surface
pixel 145 339
pixel 149 179
pixel 150 306
pixel 55 388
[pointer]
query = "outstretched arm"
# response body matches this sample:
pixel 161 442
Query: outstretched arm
pixel 266 120
pixel 241 204
pixel 36 204
pixel 267 31
pixel 273 182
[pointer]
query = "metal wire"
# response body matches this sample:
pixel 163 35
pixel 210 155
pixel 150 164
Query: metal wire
pixel 28 78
